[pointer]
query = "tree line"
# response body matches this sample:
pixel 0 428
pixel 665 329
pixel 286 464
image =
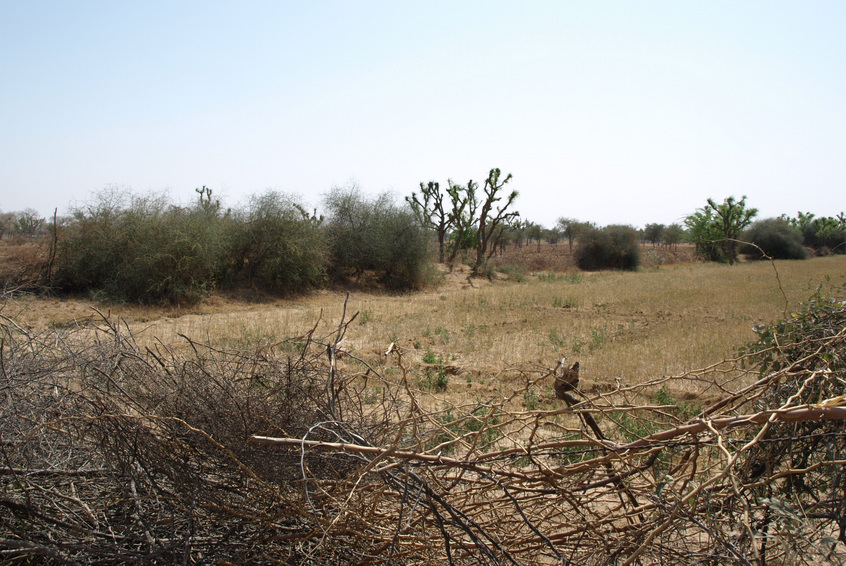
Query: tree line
pixel 129 248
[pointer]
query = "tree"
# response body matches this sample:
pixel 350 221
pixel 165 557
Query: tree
pixel 431 212
pixel 7 222
pixel 703 231
pixel 673 234
pixel 28 223
pixel 464 205
pixel 612 247
pixel 733 217
pixel 715 228
pixel 534 231
pixel 572 228
pixel 491 221
pixel 654 233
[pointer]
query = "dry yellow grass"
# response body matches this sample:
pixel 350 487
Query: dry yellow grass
pixel 621 326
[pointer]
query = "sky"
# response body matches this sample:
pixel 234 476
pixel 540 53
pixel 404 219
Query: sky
pixel 611 112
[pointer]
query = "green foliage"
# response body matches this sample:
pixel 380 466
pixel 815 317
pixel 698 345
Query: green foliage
pixel 376 235
pixel 826 235
pixel 802 357
pixel 776 238
pixel 144 250
pixel 673 234
pixel 612 247
pixel 654 233
pixel 705 233
pixel 278 245
pixel 716 228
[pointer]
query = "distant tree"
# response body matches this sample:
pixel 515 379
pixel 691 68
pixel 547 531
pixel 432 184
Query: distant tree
pixel 572 229
pixel 7 223
pixel 464 204
pixel 654 233
pixel 377 235
pixel 432 211
pixel 716 228
pixel 28 223
pixel 673 234
pixel 534 231
pixel 491 217
pixel 733 217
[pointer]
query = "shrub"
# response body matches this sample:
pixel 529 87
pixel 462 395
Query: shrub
pixel 612 247
pixel 277 244
pixel 144 251
pixel 376 235
pixel 777 240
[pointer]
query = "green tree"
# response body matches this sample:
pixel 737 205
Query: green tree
pixel 673 234
pixel 733 217
pixel 432 210
pixel 654 233
pixel 716 228
pixel 572 229
pixel 279 245
pixel 464 203
pixel 492 218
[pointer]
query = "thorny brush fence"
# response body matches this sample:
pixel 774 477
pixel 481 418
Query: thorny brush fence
pixel 298 452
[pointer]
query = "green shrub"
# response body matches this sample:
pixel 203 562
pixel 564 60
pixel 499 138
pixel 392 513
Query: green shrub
pixel 278 245
pixel 776 238
pixel 142 249
pixel 612 247
pixel 376 235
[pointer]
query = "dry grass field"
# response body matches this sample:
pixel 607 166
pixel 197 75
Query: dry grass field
pixel 242 431
pixel 623 327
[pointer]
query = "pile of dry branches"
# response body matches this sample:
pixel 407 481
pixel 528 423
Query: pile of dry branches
pixel 298 452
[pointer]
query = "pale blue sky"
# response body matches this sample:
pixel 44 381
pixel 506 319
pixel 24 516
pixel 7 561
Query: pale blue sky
pixel 613 112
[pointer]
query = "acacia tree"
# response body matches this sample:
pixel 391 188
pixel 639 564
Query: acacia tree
pixel 732 218
pixel 491 220
pixel 572 228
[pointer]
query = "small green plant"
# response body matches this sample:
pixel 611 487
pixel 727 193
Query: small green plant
pixel 556 339
pixel 597 338
pixel 577 345
pixel 531 400
pixel 513 272
pixel 365 316
pixel 435 380
pixel 429 357
pixel 443 333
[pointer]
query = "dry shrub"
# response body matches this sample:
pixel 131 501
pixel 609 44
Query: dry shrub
pixel 298 452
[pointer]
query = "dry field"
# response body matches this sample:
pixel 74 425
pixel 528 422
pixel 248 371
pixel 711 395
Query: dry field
pixel 623 327
pixel 158 436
